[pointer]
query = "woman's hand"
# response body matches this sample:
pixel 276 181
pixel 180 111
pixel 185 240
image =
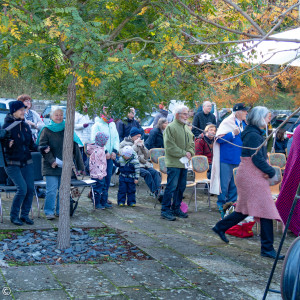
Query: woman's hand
pixel 11 142
pixel 47 150
pixel 113 156
pixel 54 165
pixel 266 176
pixel 136 181
pixel 107 155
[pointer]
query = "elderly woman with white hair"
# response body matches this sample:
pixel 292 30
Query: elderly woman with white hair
pixel 179 146
pixel 203 118
pixel 254 195
pixel 53 135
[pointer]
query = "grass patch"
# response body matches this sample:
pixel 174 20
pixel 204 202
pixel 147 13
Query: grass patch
pixel 101 231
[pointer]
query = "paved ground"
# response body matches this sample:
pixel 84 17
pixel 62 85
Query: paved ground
pixel 189 261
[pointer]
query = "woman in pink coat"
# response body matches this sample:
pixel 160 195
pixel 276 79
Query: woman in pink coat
pixel 254 195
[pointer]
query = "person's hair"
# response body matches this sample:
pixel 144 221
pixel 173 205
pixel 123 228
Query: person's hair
pixel 210 126
pixel 205 103
pixel 24 97
pixel 160 122
pixel 179 109
pixel 257 116
pixel 280 134
pixel 54 109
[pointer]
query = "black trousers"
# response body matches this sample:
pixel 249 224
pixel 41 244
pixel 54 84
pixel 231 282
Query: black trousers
pixel 266 229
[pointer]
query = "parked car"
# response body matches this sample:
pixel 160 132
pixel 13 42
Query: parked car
pixel 4 102
pixel 45 116
pixel 3 113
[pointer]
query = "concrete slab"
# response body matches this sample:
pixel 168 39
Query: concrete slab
pixel 30 278
pixel 42 295
pixel 138 293
pixel 117 275
pixel 153 275
pixel 179 294
pixel 83 281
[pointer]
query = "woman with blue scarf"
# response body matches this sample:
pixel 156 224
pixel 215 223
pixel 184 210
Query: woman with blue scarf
pixel 53 135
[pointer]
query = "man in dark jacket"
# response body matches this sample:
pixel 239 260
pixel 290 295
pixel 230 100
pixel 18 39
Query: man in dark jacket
pixel 203 118
pixel 124 126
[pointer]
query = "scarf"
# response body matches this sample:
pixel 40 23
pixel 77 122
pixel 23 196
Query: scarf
pixel 106 120
pixel 56 127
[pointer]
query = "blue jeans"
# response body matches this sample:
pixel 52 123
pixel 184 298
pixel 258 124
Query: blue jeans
pixel 52 194
pixel 126 187
pixel 152 178
pixel 176 184
pixel 228 188
pixel 109 170
pixel 23 179
pixel 98 189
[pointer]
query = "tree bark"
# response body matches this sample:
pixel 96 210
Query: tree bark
pixel 63 237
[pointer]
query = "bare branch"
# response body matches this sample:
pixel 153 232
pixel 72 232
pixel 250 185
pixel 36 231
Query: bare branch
pixel 244 14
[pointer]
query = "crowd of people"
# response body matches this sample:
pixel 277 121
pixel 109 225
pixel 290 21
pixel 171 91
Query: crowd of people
pixel 102 146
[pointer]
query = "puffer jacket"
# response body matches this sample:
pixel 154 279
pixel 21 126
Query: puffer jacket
pixel 141 151
pixel 97 161
pixel 110 129
pixel 19 154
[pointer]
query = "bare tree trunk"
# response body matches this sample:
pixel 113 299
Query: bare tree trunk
pixel 63 238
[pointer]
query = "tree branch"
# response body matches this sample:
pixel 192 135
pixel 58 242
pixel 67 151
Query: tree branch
pixel 245 15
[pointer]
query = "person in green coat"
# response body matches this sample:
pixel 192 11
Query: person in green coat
pixel 179 143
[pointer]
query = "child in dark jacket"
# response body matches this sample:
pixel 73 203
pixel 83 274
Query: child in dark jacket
pixel 129 168
pixel 98 166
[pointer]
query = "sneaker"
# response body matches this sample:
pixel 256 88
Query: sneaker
pixel 109 202
pixel 99 206
pixel 106 205
pixel 132 205
pixel 168 216
pixel 111 184
pixel 121 204
pixel 180 214
pixel 50 217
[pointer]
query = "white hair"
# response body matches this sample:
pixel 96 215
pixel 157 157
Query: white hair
pixel 206 103
pixel 54 109
pixel 257 116
pixel 178 109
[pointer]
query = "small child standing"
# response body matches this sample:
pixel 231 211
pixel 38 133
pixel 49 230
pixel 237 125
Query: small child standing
pixel 98 166
pixel 129 168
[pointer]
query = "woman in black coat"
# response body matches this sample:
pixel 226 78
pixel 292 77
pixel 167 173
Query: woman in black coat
pixel 155 139
pixel 18 162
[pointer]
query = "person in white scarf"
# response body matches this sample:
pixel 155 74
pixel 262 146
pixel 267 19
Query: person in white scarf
pixel 227 156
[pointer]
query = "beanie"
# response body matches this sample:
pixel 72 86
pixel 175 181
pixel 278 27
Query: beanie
pixel 134 131
pixel 16 105
pixel 101 139
pixel 127 151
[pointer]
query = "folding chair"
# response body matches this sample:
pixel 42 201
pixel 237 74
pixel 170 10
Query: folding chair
pixel 38 177
pixel 200 166
pixel 277 160
pixel 163 172
pixel 4 188
pixel 155 153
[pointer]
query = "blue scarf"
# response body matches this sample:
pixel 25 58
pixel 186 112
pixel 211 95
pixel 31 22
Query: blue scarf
pixel 56 127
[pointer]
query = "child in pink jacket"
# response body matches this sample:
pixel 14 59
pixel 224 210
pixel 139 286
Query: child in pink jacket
pixel 98 166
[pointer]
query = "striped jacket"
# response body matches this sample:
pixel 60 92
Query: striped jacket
pixel 129 168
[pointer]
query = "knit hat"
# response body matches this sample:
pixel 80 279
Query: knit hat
pixel 101 139
pixel 134 131
pixel 127 151
pixel 16 105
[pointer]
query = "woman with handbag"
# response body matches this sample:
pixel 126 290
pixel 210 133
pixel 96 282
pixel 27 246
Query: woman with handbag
pixel 53 135
pixel 254 195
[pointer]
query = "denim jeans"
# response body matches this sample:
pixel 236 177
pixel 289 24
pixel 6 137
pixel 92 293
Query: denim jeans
pixel 98 189
pixel 228 188
pixel 176 184
pixel 52 195
pixel 109 171
pixel 152 178
pixel 23 179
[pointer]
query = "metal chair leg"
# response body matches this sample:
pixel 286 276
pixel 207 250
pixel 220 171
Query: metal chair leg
pixel 93 196
pixel 195 191
pixel 208 193
pixel 37 201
